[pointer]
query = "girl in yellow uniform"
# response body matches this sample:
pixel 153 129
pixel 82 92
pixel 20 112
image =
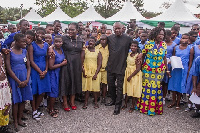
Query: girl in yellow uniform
pixel 103 48
pixel 92 61
pixel 133 77
pixel 5 98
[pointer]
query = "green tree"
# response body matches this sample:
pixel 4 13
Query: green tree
pixel 73 8
pixel 70 8
pixel 47 6
pixel 149 15
pixel 11 14
pixel 107 8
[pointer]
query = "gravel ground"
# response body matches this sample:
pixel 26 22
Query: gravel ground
pixel 102 121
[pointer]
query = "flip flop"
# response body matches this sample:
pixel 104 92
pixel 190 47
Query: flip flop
pixel 84 106
pixel 177 108
pixel 56 110
pixel 171 105
pixel 131 109
pixel 53 114
pixel 124 107
pixel 22 125
pixel 96 106
pixel 16 129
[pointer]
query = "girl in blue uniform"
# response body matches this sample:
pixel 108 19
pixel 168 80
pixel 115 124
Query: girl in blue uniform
pixel 40 77
pixel 18 68
pixel 178 85
pixel 194 53
pixel 56 61
pixel 170 48
pixel 174 37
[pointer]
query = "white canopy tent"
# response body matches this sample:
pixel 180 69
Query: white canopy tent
pixel 177 12
pixel 58 14
pixel 193 9
pixel 32 16
pixel 89 15
pixel 127 12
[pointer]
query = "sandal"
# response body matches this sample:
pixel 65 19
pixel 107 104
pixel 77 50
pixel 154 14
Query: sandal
pixel 124 107
pixel 96 106
pixel 16 129
pixel 84 106
pixel 171 105
pixel 36 117
pixel 131 110
pixel 24 119
pixel 22 124
pixel 56 110
pixel 53 114
pixel 26 111
pixel 177 108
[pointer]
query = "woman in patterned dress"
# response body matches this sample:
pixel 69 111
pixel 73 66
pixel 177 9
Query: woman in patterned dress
pixel 153 68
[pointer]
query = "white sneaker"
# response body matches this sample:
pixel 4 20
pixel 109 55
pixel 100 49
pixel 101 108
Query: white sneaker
pixel 40 114
pixel 36 116
pixel 163 101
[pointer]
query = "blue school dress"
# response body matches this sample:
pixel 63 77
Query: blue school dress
pixel 18 66
pixel 179 35
pixel 197 42
pixel 178 80
pixel 53 36
pixel 196 71
pixel 141 46
pixel 40 86
pixel 55 75
pixel 189 85
pixel 177 40
pixel 169 54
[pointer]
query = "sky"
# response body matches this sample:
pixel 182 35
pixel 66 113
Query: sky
pixel 149 5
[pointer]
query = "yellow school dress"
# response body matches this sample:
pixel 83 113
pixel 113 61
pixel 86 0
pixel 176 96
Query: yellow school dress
pixel 105 54
pixel 134 87
pixel 4 120
pixel 90 66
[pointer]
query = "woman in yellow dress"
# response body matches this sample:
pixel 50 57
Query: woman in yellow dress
pixel 92 61
pixel 133 77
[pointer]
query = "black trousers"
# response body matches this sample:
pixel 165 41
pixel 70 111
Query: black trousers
pixel 115 91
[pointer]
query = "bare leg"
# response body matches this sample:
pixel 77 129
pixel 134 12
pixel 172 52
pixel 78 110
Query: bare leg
pixel 20 112
pixel 96 95
pixel 174 99
pixel 39 99
pixel 15 114
pixel 104 90
pixel 51 103
pixel 33 103
pixel 65 104
pixel 125 102
pixel 72 98
pixel 178 99
pixel 165 86
pixel 86 99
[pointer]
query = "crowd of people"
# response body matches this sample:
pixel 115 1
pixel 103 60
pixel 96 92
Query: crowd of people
pixel 45 64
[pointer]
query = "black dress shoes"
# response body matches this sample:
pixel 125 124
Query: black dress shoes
pixel 116 112
pixel 110 103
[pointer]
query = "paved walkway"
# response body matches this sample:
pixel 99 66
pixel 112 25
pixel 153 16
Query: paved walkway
pixel 102 121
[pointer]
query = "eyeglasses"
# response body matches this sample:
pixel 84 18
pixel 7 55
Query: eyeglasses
pixel 195 36
pixel 195 29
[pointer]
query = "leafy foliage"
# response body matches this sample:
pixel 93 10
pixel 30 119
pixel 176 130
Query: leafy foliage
pixel 107 8
pixel 12 14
